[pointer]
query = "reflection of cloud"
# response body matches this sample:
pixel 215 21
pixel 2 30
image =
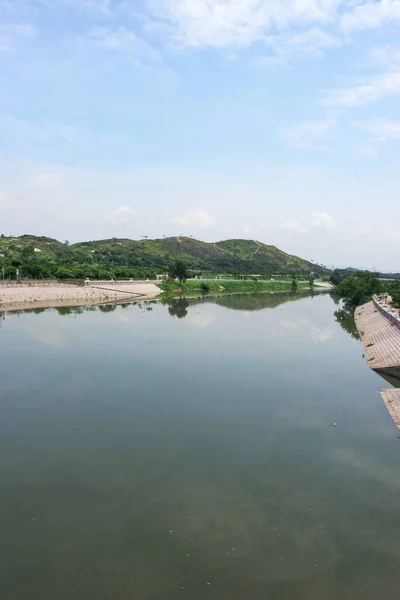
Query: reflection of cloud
pixel 124 318
pixel 52 339
pixel 49 338
pixel 321 334
pixel 294 323
pixel 200 320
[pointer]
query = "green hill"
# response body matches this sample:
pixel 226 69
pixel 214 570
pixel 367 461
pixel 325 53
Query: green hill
pixel 46 257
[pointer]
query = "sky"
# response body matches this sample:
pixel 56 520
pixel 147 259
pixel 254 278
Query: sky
pixel 273 120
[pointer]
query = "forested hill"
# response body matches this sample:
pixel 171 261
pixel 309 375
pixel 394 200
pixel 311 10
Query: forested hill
pixel 37 257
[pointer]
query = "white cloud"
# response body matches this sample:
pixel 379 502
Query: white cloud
pixel 371 15
pixel 318 219
pixel 122 214
pixel 369 90
pixel 385 57
pixel 223 23
pixel 50 179
pixel 12 33
pixel 322 219
pixel 124 42
pixel 382 130
pixel 379 132
pixel 295 47
pixel 364 231
pixel 369 152
pixel 307 135
pixel 294 226
pixel 199 219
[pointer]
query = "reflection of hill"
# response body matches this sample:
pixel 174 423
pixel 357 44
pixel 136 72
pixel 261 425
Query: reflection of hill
pixel 249 302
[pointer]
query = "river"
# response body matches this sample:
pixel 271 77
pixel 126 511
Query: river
pixel 227 448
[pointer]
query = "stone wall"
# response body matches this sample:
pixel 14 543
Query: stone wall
pixel 387 311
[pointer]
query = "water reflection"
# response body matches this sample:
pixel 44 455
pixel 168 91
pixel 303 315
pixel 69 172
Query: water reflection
pixel 345 317
pixel 150 457
pixel 177 307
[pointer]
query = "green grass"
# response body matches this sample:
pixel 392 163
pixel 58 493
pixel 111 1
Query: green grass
pixel 229 285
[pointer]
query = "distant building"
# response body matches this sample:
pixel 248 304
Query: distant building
pixel 37 250
pixel 2 255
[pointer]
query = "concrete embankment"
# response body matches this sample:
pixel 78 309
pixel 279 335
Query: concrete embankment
pixel 380 334
pixel 19 297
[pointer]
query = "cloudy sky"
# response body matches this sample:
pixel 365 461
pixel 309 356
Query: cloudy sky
pixel 275 120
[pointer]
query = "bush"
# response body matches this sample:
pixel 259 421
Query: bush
pixel 205 288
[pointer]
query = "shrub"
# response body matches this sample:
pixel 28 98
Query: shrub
pixel 205 288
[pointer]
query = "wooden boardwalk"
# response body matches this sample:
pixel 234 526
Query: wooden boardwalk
pixel 381 339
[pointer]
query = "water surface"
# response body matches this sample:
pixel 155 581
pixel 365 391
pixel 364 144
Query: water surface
pixel 227 448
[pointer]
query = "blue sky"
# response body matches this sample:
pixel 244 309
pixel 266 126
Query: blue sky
pixel 275 120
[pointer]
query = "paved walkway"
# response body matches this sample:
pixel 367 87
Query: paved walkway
pixel 391 398
pixel 380 337
pixel 20 297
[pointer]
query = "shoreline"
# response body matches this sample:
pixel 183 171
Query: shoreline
pixel 22 297
pixel 381 341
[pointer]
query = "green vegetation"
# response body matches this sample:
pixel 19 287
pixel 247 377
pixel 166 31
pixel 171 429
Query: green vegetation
pixel 395 293
pixel 178 270
pixel 336 277
pixel 43 257
pixel 359 288
pixel 217 286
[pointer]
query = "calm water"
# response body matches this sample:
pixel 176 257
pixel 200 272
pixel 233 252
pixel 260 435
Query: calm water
pixel 188 450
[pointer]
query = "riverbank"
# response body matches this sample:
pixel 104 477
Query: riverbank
pixel 216 286
pixel 381 340
pixel 20 297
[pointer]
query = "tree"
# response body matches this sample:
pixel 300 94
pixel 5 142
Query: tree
pixel 359 288
pixel 394 290
pixel 293 285
pixel 64 273
pixel 336 277
pixel 178 270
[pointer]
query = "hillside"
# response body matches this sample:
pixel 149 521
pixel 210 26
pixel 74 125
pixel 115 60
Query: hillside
pixel 46 257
